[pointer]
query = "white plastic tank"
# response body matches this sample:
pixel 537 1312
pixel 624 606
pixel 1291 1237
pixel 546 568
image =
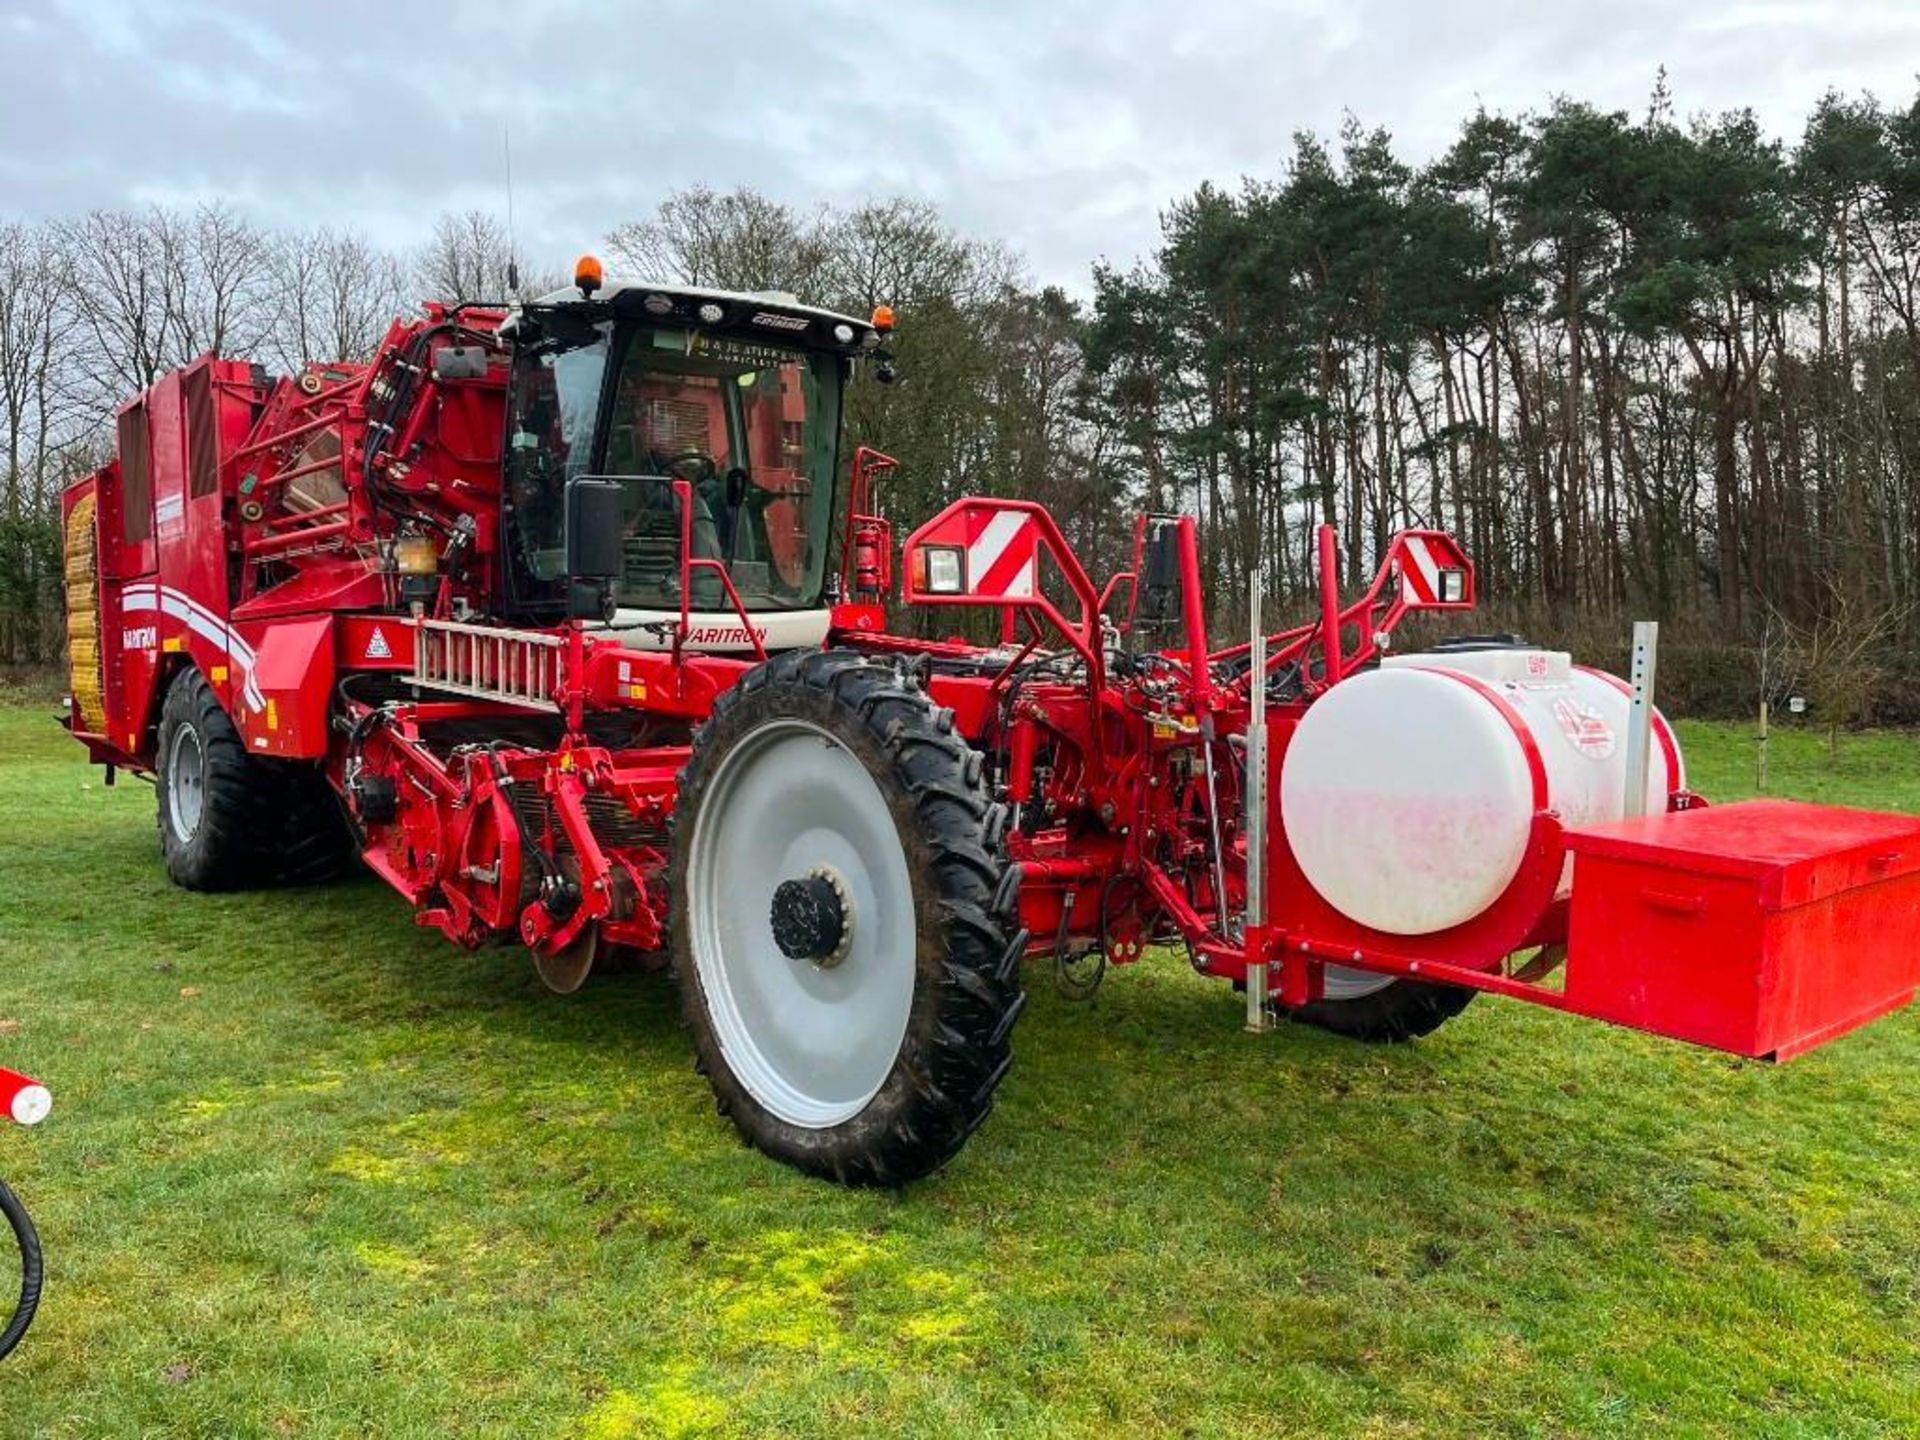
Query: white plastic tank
pixel 1408 796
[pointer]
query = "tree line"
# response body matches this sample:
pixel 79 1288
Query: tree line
pixel 1640 365
pixel 96 308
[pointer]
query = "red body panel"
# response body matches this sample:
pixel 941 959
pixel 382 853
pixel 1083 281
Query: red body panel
pixel 293 671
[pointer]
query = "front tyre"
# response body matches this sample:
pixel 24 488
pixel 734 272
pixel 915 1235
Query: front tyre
pixel 229 820
pixel 841 920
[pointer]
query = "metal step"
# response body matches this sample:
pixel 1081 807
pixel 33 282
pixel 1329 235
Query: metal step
pixel 514 667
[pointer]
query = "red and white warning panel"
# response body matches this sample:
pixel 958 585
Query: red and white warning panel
pixel 983 550
pixel 1432 571
pixel 1764 928
pixel 1003 555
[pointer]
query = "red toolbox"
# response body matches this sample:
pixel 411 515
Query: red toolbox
pixel 1764 928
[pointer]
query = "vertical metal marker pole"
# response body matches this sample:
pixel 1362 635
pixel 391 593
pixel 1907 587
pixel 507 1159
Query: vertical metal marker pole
pixel 1646 647
pixel 1254 802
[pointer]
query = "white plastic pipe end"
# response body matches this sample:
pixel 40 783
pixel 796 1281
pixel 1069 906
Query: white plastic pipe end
pixel 31 1104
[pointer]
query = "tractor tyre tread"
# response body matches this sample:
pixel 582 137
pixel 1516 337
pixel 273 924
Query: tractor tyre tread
pixel 1392 1015
pixel 230 847
pixel 262 822
pixel 966 998
pixel 316 842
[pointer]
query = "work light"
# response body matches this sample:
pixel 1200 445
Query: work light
pixel 946 569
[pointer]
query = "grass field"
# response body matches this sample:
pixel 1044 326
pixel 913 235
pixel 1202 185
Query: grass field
pixel 311 1171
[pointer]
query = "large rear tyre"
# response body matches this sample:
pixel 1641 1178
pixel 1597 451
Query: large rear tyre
pixel 842 931
pixel 27 1299
pixel 1379 1009
pixel 229 821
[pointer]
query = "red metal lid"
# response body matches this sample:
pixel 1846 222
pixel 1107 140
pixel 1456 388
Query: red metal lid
pixel 1805 850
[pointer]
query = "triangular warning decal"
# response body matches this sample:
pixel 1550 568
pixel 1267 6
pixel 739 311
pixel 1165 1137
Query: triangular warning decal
pixel 377 647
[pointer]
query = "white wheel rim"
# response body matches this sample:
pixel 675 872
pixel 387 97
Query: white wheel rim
pixel 186 781
pixel 811 1042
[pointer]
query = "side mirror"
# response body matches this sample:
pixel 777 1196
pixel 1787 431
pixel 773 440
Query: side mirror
pixel 460 362
pixel 1158 599
pixel 595 555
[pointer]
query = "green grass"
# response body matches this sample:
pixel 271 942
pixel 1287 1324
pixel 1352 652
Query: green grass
pixel 313 1171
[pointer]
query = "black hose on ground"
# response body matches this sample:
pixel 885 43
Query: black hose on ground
pixel 30 1269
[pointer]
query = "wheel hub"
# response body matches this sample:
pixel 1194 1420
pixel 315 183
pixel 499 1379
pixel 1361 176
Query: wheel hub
pixel 186 781
pixel 800 913
pixel 813 918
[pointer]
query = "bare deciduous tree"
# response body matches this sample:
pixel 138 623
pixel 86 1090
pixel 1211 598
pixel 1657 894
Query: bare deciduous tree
pixel 36 430
pixel 737 241
pixel 335 296
pixel 466 261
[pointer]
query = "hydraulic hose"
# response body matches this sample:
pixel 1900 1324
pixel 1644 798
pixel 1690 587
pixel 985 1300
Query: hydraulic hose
pixel 30 1269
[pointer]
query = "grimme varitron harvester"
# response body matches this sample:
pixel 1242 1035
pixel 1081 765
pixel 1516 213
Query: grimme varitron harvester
pixel 557 616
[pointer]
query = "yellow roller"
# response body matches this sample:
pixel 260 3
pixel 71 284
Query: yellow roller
pixel 83 620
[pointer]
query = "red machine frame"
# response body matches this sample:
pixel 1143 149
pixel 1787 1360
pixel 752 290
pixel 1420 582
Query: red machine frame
pixel 1118 761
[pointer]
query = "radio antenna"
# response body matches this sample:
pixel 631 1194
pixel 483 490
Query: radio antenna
pixel 513 249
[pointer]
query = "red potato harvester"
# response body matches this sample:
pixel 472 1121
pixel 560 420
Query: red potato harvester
pixel 570 620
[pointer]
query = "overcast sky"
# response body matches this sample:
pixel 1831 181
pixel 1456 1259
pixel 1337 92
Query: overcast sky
pixel 1061 128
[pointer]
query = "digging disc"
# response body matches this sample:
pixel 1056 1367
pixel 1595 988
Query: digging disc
pixel 566 970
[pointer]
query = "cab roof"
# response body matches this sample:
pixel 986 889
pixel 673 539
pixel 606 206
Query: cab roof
pixel 772 313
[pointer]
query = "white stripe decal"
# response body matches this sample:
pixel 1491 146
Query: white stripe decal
pixel 204 623
pixel 1002 530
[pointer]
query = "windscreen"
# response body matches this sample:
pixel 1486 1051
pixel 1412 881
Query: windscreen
pixel 750 427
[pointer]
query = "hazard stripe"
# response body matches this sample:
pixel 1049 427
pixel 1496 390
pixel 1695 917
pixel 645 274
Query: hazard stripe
pixel 1000 559
pixel 1023 582
pixel 1422 576
pixel 1011 575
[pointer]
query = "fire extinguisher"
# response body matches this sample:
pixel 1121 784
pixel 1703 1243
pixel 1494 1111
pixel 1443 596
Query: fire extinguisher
pixel 25 1102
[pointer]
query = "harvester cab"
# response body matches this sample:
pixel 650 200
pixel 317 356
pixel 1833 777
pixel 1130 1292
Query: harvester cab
pixel 684 420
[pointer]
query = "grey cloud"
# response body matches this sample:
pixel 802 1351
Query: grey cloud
pixel 1061 128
